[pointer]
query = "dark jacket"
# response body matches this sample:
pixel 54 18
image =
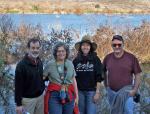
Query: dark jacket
pixel 28 79
pixel 88 70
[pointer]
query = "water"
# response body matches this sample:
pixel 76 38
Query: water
pixel 86 23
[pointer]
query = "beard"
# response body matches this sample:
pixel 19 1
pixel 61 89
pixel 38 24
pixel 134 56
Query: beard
pixel 34 54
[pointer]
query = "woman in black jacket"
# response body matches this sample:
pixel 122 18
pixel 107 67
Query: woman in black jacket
pixel 89 75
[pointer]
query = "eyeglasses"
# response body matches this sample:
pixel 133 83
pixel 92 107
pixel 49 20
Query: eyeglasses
pixel 115 45
pixel 61 51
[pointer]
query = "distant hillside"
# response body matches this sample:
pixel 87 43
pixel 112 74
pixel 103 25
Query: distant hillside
pixel 82 0
pixel 75 6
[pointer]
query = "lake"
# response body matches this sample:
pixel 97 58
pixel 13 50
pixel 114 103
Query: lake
pixel 86 23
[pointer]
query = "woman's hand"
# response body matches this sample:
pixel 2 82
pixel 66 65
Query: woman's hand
pixel 96 97
pixel 76 100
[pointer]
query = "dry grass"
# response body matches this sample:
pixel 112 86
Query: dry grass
pixel 51 6
pixel 136 41
pixel 146 68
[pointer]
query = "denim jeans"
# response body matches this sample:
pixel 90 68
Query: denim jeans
pixel 129 104
pixel 55 106
pixel 86 104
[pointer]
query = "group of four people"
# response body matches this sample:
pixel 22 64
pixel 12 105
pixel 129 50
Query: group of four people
pixel 76 83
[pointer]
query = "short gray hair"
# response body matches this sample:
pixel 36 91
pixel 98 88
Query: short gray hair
pixel 60 44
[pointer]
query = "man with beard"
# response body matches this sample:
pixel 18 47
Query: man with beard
pixel 29 84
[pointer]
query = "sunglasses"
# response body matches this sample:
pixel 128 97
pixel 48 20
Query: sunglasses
pixel 115 45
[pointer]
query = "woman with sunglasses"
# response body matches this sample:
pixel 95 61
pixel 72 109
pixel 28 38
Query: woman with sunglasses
pixel 89 75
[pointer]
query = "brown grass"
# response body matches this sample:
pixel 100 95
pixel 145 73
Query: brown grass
pixel 136 41
pixel 51 6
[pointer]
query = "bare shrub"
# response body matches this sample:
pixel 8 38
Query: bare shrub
pixel 103 38
pixel 137 41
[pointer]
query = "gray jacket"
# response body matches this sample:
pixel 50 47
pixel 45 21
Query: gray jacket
pixel 117 99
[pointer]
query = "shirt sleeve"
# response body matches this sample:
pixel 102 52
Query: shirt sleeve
pixel 104 65
pixel 46 71
pixel 18 84
pixel 74 72
pixel 136 66
pixel 98 68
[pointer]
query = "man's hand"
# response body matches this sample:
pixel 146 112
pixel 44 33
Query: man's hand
pixel 96 97
pixel 19 109
pixel 132 93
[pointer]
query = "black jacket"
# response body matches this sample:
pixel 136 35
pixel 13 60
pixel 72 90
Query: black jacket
pixel 28 79
pixel 88 70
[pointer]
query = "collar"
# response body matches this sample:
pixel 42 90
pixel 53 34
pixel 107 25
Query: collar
pixel 32 61
pixel 89 57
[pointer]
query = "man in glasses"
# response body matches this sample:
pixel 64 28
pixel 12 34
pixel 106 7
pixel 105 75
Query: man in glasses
pixel 29 84
pixel 122 77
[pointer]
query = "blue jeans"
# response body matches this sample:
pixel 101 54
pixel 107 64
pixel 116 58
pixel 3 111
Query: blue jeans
pixel 86 104
pixel 129 104
pixel 55 106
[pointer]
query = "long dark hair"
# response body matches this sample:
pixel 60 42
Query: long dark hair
pixel 91 53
